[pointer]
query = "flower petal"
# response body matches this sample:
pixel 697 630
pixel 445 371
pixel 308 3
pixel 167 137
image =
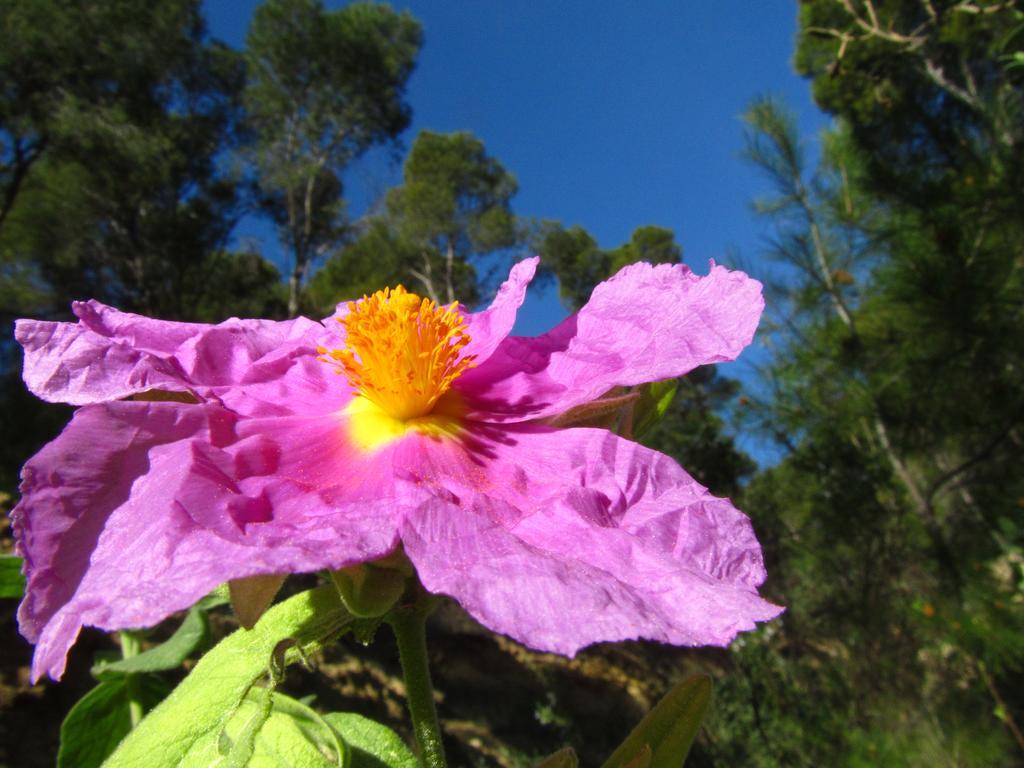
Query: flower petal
pixel 108 354
pixel 647 323
pixel 571 537
pixel 138 509
pixel 487 329
pixel 305 386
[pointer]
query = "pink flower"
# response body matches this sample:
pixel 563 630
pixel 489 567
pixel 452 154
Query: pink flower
pixel 266 462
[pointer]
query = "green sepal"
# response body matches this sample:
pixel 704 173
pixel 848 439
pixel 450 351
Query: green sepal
pixel 563 758
pixel 655 399
pixel 370 744
pixel 12 582
pixel 369 591
pixel 193 632
pixel 101 718
pixel 268 730
pixel 668 730
pixel 251 596
pixel 191 720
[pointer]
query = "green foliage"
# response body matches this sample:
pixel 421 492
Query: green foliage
pixel 12 583
pixel 663 738
pixel 370 744
pixel 191 720
pixel 225 284
pixel 453 205
pixel 372 260
pixel 122 193
pixel 579 264
pixel 452 208
pixel 270 729
pixel 888 526
pixel 101 718
pixel 193 633
pixel 927 91
pixel 324 86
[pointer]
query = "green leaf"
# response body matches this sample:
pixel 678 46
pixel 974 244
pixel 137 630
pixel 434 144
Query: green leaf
pixel 655 398
pixel 269 730
pixel 100 719
pixel 668 730
pixel 12 583
pixel 563 758
pixel 188 725
pixel 193 631
pixel 371 745
pixel 642 759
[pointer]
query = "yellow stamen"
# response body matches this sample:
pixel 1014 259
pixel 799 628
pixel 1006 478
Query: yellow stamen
pixel 402 352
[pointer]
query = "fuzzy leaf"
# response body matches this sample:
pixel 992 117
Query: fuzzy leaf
pixel 371 745
pixel 100 719
pixel 668 730
pixel 168 655
pixel 187 727
pixel 269 730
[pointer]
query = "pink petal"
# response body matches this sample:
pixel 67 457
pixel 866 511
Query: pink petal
pixel 109 355
pixel 565 538
pixel 305 386
pixel 138 509
pixel 647 323
pixel 487 329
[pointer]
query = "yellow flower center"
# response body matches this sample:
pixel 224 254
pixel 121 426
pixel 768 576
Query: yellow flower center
pixel 402 352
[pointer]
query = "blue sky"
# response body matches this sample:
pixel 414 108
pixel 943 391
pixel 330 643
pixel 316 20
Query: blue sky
pixel 611 115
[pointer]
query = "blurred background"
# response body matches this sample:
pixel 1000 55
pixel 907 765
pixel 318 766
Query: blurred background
pixel 862 158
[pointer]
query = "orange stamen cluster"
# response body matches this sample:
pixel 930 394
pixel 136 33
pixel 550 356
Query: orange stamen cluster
pixel 402 352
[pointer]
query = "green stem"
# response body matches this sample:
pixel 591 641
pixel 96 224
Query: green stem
pixel 409 624
pixel 131 645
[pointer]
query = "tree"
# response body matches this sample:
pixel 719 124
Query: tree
pixel 454 205
pixel 579 264
pixel 929 90
pixel 114 117
pixel 124 192
pixel 886 520
pixel 452 208
pixel 324 86
pixel 374 259
pixel 931 96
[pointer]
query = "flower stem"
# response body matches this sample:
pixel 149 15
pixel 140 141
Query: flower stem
pixel 409 622
pixel 131 645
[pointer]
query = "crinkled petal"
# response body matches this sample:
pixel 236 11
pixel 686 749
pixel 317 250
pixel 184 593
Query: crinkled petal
pixel 565 538
pixel 108 354
pixel 647 323
pixel 138 509
pixel 306 387
pixel 487 329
